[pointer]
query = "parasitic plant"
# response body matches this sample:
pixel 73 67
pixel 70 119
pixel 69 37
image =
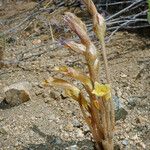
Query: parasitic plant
pixel 96 105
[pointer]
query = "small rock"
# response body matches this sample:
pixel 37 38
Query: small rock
pixel 73 147
pixel 44 95
pixel 141 144
pixel 79 133
pixel 140 119
pixel 117 147
pixel 2 119
pixel 118 92
pixel 120 112
pixel 131 103
pixel 63 95
pixel 69 127
pixel 17 93
pixel 11 40
pixel 38 92
pixel 86 129
pixel 2 132
pixel 58 141
pixel 76 123
pixel 123 75
pixel 55 95
pixel 135 137
pixel 125 142
pixel 74 113
pixel 55 140
pixel 47 100
pixel 36 41
pixel 65 135
pixel 117 102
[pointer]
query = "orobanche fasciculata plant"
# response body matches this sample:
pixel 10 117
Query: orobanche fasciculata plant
pixel 96 105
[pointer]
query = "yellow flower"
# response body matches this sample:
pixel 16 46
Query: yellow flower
pixel 102 90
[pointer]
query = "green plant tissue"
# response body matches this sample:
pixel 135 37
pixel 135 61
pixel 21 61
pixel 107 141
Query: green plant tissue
pixel 148 13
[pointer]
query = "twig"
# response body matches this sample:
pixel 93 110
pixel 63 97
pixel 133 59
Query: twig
pixel 123 10
pixel 51 32
pixel 124 24
pixel 115 3
pixel 122 21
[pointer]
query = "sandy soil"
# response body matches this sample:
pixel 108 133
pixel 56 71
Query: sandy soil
pixel 51 120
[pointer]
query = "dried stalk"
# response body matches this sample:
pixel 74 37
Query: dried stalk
pixel 99 28
pixel 98 110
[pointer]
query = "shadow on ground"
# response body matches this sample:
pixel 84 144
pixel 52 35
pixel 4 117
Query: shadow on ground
pixel 55 143
pixel 4 105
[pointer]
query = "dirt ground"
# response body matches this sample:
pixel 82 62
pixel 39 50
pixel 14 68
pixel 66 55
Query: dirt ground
pixel 51 120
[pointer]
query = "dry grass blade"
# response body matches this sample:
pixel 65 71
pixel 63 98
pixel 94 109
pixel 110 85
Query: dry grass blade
pixel 75 74
pixel 79 48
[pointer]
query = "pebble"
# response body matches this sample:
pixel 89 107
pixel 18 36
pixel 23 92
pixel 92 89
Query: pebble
pixel 58 141
pixel 117 102
pixel 38 92
pixel 120 112
pixel 55 95
pixel 86 129
pixel 76 123
pixel 141 144
pixel 123 75
pixel 125 142
pixel 44 95
pixel 47 100
pixel 69 127
pixel 131 103
pixel 65 135
pixel 117 147
pixel 2 119
pixel 2 132
pixel 135 137
pixel 36 41
pixel 119 92
pixel 140 119
pixel 79 133
pixel 73 147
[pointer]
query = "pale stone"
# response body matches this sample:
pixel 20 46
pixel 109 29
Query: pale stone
pixel 123 75
pixel 72 147
pixel 79 133
pixel 141 144
pixel 69 127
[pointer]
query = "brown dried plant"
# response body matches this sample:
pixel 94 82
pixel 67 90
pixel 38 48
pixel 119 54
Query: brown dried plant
pixel 97 106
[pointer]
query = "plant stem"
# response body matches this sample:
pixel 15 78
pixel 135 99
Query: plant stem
pixel 105 62
pixel 109 106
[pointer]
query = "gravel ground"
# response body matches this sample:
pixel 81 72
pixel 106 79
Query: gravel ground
pixel 51 120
